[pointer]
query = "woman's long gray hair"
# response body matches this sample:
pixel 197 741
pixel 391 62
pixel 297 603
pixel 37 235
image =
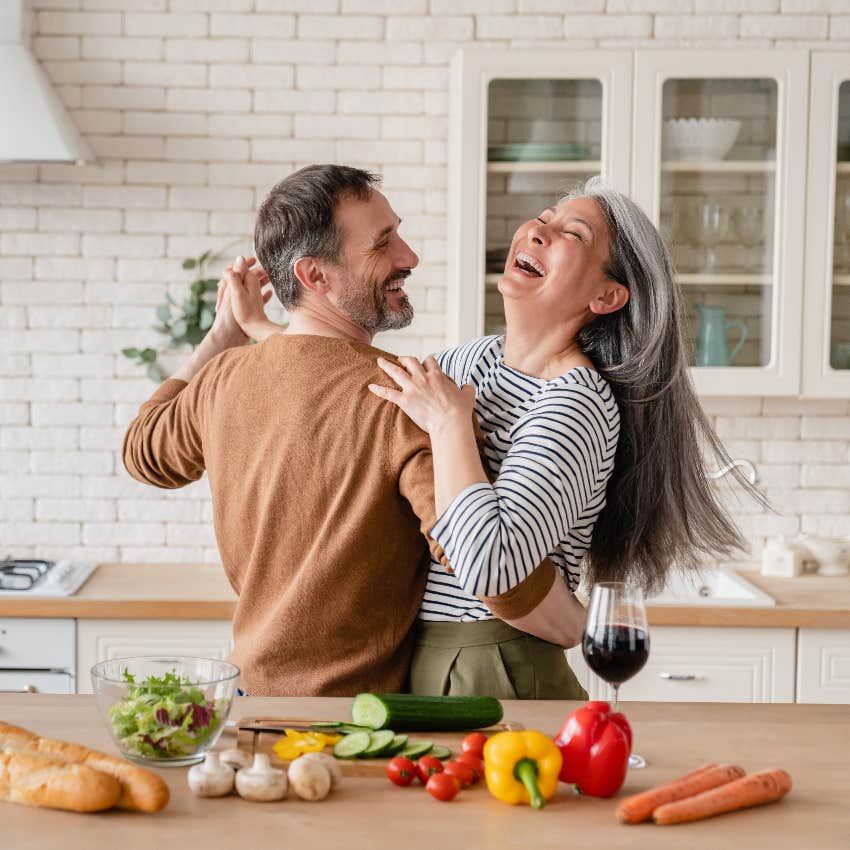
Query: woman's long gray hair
pixel 660 510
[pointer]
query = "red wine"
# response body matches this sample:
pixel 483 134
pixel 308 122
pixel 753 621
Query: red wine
pixel 615 653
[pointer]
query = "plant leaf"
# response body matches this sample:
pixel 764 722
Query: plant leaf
pixel 179 328
pixel 148 355
pixel 163 313
pixel 155 373
pixel 132 353
pixel 195 335
pixel 189 264
pixel 207 317
pixel 203 258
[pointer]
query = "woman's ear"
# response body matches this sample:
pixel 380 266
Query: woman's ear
pixel 311 275
pixel 614 297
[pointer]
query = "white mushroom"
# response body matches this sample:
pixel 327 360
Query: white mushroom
pixel 261 781
pixel 236 758
pixel 330 763
pixel 211 778
pixel 310 779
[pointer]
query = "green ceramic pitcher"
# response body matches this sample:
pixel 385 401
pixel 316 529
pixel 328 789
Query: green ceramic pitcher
pixel 712 346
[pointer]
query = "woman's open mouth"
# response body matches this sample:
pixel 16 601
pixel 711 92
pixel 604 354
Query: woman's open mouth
pixel 528 265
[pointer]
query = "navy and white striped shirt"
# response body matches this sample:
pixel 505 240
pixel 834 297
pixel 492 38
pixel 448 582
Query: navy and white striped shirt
pixel 551 444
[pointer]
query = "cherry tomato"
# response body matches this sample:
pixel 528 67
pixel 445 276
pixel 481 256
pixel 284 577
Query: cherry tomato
pixel 443 787
pixel 462 772
pixel 474 762
pixel 401 770
pixel 428 766
pixel 474 743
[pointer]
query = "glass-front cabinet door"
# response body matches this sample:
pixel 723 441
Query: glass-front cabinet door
pixel 524 130
pixel 826 338
pixel 719 164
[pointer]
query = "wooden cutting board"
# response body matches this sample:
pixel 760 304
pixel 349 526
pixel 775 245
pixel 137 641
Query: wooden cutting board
pixel 253 742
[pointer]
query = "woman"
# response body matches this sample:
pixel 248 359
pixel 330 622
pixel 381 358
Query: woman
pixel 591 429
pixel 617 490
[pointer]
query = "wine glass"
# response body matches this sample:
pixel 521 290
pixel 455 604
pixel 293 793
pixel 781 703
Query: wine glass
pixel 713 222
pixel 615 643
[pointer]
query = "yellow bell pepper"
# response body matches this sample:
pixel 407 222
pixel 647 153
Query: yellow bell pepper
pixel 297 743
pixel 522 767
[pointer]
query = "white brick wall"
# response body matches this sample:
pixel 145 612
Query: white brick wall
pixel 195 108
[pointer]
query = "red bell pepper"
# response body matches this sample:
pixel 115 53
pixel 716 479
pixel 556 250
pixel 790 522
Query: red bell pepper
pixel 595 744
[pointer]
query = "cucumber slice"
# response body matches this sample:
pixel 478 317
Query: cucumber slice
pixel 398 744
pixel 352 745
pixel 440 752
pixel 349 728
pixel 328 724
pixel 415 749
pixel 378 743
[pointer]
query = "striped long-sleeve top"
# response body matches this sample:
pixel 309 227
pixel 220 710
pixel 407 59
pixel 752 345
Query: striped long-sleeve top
pixel 551 446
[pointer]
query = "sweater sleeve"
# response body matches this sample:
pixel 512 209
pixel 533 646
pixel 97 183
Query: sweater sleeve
pixel 556 469
pixel 163 444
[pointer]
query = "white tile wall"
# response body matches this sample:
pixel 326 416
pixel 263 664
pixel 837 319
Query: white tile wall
pixel 195 108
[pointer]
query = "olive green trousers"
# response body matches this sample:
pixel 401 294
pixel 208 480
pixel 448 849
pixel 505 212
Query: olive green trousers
pixel 489 658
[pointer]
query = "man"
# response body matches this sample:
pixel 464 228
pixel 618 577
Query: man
pixel 322 494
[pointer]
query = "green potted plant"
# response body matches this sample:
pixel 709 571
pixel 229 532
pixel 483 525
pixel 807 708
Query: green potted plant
pixel 181 324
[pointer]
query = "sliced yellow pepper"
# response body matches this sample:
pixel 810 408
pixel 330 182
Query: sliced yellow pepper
pixel 522 767
pixel 297 743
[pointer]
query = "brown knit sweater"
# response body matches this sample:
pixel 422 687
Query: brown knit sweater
pixel 323 495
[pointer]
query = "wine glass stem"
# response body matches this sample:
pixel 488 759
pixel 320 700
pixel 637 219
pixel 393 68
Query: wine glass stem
pixel 616 695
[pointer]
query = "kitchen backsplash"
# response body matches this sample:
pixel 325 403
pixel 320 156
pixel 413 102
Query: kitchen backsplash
pixel 195 108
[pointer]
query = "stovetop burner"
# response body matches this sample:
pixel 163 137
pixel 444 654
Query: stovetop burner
pixel 38 577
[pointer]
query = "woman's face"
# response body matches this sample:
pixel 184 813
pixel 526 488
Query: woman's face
pixel 558 260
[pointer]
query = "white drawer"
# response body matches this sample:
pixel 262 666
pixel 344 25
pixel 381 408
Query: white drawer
pixel 35 682
pixel 707 665
pixel 823 666
pixel 35 643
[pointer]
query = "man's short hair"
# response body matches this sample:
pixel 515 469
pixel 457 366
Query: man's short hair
pixel 297 219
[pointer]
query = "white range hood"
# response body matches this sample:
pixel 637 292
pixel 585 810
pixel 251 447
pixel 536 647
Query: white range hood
pixel 34 126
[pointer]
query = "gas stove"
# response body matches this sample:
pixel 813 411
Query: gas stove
pixel 35 577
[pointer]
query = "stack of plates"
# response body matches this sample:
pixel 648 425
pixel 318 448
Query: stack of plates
pixel 537 152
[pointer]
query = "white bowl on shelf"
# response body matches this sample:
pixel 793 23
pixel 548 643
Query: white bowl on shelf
pixel 693 139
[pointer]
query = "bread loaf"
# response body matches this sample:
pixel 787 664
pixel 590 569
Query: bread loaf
pixel 140 789
pixel 34 780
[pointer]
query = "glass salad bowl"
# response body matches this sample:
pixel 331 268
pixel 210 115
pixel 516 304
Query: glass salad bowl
pixel 164 710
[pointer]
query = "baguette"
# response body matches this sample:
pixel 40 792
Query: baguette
pixel 140 789
pixel 35 780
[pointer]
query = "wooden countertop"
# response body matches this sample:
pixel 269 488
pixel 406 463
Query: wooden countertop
pixel 371 813
pixel 202 592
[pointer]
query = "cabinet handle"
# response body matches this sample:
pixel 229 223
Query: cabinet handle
pixel 682 677
pixel 27 689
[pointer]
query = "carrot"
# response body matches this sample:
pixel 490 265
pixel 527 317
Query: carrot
pixel 639 807
pixel 754 790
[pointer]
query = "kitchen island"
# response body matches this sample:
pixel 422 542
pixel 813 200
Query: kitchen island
pixel 811 742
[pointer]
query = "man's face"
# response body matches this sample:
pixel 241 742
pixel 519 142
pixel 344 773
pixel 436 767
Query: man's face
pixel 374 261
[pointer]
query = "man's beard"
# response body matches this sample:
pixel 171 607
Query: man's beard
pixel 366 305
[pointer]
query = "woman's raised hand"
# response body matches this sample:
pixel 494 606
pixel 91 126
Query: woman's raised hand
pixel 426 394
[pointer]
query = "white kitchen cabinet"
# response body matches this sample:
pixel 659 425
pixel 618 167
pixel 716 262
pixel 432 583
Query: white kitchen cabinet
pixel 522 129
pixel 826 355
pixel 823 666
pixel 733 218
pixel 695 664
pixel 101 640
